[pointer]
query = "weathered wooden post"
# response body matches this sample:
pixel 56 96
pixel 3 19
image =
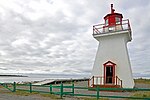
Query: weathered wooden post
pixel 97 96
pixel 14 87
pixel 50 88
pixel 30 87
pixel 73 89
pixel 61 90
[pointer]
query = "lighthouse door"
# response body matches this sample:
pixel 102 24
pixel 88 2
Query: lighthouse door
pixel 109 75
pixel 109 72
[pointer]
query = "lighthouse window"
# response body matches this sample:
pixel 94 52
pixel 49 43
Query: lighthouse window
pixel 106 22
pixel 117 20
pixel 111 29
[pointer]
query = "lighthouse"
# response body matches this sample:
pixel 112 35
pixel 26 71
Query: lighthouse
pixel 112 67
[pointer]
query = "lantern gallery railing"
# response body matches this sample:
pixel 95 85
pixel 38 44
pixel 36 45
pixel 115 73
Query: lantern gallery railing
pixel 102 28
pixel 100 81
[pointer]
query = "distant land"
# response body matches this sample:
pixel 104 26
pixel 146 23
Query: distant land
pixel 12 76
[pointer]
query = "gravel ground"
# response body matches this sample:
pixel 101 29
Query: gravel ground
pixel 7 95
pixel 16 97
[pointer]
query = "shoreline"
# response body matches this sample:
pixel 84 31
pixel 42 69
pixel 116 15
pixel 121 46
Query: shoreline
pixel 12 76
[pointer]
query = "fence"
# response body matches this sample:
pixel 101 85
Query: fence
pixel 70 90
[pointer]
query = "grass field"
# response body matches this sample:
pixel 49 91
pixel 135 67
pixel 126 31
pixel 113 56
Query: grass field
pixel 141 80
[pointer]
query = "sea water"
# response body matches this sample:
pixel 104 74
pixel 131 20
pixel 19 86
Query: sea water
pixel 31 77
pixel 38 77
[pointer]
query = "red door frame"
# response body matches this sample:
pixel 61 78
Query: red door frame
pixel 109 63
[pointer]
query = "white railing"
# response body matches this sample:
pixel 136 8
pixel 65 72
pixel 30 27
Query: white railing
pixel 99 80
pixel 102 28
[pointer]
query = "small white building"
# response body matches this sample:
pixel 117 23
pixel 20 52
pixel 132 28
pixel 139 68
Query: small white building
pixel 112 65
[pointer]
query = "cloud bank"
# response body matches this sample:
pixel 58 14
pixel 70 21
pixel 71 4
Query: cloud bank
pixel 55 36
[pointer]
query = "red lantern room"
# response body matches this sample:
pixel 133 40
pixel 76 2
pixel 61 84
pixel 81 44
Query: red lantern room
pixel 113 23
pixel 113 18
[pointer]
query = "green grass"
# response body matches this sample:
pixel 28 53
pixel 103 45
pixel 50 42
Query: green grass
pixel 141 94
pixel 86 98
pixel 52 96
pixel 141 80
pixel 24 93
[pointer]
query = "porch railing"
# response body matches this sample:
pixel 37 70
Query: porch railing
pixel 99 80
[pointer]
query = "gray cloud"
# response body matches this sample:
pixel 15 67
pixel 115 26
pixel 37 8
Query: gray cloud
pixel 55 36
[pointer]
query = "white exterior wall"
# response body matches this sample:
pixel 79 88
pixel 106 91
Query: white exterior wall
pixel 113 48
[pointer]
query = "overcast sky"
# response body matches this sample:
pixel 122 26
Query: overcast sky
pixel 55 36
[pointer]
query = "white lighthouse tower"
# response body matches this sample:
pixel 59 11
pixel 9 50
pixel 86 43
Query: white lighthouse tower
pixel 112 65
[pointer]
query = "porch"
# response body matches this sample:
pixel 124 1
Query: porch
pixel 105 82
